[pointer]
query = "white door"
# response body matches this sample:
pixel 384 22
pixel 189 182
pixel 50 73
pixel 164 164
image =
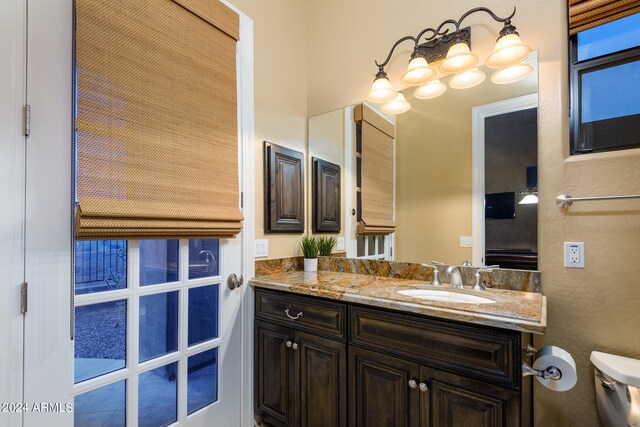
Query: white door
pixel 152 335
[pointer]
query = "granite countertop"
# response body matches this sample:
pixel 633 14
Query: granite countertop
pixel 515 310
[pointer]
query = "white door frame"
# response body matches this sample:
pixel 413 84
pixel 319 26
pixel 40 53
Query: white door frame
pixel 479 114
pixel 247 186
pixel 12 187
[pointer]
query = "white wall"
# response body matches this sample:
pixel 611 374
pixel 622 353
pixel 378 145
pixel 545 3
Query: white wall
pixel 12 15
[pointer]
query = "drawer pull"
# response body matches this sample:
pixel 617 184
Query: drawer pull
pixel 293 317
pixel 423 387
pixel 413 384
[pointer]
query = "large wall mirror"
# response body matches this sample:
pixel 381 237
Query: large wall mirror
pixel 465 185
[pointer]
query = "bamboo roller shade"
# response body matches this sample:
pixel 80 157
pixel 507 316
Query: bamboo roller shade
pixel 157 133
pixel 586 14
pixel 377 172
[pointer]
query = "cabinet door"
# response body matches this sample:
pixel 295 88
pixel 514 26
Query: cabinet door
pixel 321 372
pixel 274 391
pixel 380 392
pixel 457 401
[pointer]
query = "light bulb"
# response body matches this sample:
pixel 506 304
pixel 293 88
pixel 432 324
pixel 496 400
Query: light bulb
pixel 397 106
pixel 509 50
pixel 467 79
pixel 430 90
pixel 511 74
pixel 381 91
pixel 459 58
pixel 418 72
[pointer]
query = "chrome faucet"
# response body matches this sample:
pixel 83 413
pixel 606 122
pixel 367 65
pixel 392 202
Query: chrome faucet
pixel 488 269
pixel 434 264
pixel 456 277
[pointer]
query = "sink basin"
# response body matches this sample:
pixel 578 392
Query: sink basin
pixel 445 296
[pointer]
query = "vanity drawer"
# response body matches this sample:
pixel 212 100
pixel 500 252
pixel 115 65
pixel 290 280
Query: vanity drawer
pixel 486 354
pixel 299 312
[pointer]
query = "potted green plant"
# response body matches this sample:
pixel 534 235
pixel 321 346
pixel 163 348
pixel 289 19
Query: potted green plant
pixel 309 247
pixel 326 245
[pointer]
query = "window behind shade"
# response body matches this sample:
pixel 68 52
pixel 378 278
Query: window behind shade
pixel 605 87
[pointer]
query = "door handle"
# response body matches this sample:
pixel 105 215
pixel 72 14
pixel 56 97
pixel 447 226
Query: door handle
pixel 234 282
pixel 413 383
pixel 423 387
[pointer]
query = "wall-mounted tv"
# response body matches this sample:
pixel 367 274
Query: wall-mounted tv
pixel 500 205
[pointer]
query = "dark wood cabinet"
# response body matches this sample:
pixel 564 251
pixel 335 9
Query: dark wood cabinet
pixel 457 401
pixel 274 377
pixel 399 370
pixel 300 377
pixel 380 392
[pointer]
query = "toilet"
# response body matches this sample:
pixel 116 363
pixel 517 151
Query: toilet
pixel 617 384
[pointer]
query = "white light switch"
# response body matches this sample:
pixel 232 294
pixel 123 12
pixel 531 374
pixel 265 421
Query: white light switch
pixel 340 244
pixel 262 248
pixel 466 241
pixel 574 254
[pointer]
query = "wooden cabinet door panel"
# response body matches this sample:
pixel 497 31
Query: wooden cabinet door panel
pixel 380 395
pixel 321 372
pixel 458 401
pixel 274 373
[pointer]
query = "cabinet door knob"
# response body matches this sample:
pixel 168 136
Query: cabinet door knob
pixel 413 383
pixel 423 387
pixel 294 346
pixel 289 344
pixel 293 316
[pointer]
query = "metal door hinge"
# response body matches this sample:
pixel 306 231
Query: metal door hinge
pixel 23 297
pixel 26 120
pixel 242 199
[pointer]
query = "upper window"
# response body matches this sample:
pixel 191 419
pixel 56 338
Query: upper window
pixel 605 87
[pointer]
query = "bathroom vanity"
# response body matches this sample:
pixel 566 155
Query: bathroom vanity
pixel 338 349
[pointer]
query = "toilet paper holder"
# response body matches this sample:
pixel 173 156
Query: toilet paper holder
pixel 550 373
pixel 548 367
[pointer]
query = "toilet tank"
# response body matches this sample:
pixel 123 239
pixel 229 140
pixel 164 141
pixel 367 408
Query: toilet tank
pixel 612 375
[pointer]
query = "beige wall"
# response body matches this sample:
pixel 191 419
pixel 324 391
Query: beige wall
pixel 280 79
pixel 590 309
pixel 326 142
pixel 433 171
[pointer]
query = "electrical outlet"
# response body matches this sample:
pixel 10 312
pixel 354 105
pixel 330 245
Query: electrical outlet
pixel 466 241
pixel 340 244
pixel 262 248
pixel 574 254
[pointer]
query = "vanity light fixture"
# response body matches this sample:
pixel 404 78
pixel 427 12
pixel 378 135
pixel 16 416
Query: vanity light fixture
pixel 511 74
pixel 467 79
pixel 397 106
pixel 453 51
pixel 459 58
pixel 430 90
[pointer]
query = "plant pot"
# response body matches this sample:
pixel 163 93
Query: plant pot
pixel 311 264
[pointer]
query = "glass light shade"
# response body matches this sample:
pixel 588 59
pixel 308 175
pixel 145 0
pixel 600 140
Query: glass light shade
pixel 529 199
pixel 430 90
pixel 397 106
pixel 459 58
pixel 381 91
pixel 418 72
pixel 467 79
pixel 511 74
pixel 509 50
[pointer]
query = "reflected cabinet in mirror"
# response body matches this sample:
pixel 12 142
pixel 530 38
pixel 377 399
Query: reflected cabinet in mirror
pixel 464 175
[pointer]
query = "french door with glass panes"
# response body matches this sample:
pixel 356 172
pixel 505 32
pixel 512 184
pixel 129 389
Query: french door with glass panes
pixel 153 323
pixel 151 336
